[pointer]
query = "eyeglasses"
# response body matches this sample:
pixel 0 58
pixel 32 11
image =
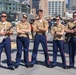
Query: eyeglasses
pixel 4 16
pixel 58 19
pixel 24 17
pixel 74 15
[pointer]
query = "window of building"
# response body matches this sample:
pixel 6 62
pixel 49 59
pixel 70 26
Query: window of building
pixel 0 8
pixel 56 3
pixel 49 2
pixel 9 4
pixel 59 2
pixel 13 3
pixel 1 2
pixel 49 11
pixel 6 8
pixel 59 9
pixel 52 2
pixel 9 8
pixel 59 12
pixel 13 8
pixel 49 6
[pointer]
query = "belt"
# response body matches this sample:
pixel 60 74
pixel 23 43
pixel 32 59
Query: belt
pixel 41 33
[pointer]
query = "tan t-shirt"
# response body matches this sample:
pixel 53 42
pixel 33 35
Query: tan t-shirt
pixel 58 29
pixel 5 25
pixel 70 25
pixel 41 24
pixel 25 26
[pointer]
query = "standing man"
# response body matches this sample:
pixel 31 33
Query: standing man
pixel 40 26
pixel 72 41
pixel 5 42
pixel 58 42
pixel 23 28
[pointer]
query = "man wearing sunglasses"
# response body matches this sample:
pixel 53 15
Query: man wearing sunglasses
pixel 71 28
pixel 23 28
pixel 6 43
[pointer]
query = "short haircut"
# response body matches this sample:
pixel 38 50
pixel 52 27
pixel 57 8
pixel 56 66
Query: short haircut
pixel 40 10
pixel 73 13
pixel 25 14
pixel 4 13
pixel 59 17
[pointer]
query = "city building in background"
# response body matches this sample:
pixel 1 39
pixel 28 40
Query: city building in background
pixel 2 5
pixel 24 1
pixel 14 9
pixel 25 8
pixel 10 6
pixel 51 8
pixel 56 7
pixel 21 1
pixel 71 8
pixel 40 4
pixel 72 5
pixel 15 0
pixel 35 5
pixel 44 7
pixel 69 1
pixel 30 3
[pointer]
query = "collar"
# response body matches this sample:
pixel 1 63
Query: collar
pixel 4 23
pixel 40 20
pixel 58 25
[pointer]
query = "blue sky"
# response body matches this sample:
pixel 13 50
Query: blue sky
pixel 66 1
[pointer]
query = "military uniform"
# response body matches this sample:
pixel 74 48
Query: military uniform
pixel 6 43
pixel 40 37
pixel 71 43
pixel 58 42
pixel 22 40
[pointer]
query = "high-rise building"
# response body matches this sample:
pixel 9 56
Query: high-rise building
pixel 40 4
pixel 30 3
pixel 44 6
pixel 14 0
pixel 35 4
pixel 69 4
pixel 2 5
pixel 7 0
pixel 12 7
pixel 56 7
pixel 24 1
pixel 72 4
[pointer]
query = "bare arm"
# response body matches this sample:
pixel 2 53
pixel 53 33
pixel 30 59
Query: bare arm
pixel 19 30
pixel 35 28
pixel 43 29
pixel 62 32
pixel 2 33
pixel 27 30
pixel 53 32
pixel 67 30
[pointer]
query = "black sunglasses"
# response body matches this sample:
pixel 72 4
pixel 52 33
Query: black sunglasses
pixel 57 19
pixel 74 15
pixel 3 16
